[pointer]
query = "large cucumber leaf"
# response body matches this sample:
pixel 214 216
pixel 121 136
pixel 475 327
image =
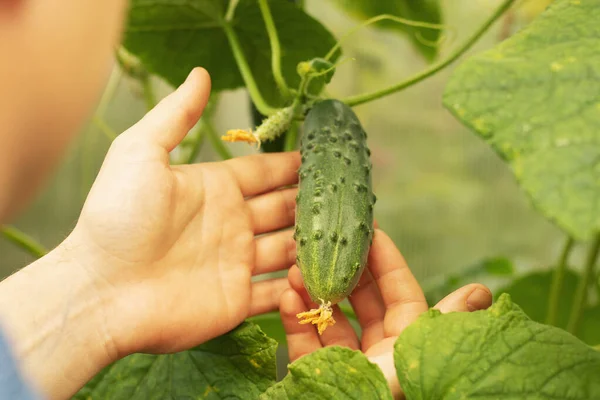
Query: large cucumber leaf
pixel 172 37
pixel 498 353
pixel 535 98
pixel 331 373
pixel 240 364
pixel 424 39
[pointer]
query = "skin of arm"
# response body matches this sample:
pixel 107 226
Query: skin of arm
pixel 54 314
pixel 162 256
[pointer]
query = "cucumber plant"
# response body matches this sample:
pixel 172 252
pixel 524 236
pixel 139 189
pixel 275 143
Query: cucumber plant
pixel 534 98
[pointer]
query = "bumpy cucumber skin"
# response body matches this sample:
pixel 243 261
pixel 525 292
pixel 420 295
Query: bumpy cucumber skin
pixel 334 208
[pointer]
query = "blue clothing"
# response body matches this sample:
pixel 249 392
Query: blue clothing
pixel 12 384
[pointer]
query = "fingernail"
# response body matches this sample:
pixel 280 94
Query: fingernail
pixel 479 300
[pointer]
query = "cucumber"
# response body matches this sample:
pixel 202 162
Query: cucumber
pixel 334 207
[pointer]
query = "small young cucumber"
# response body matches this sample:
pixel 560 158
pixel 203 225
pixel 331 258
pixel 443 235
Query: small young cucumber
pixel 334 208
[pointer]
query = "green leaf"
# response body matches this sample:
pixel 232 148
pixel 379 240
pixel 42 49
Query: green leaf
pixel 171 38
pixel 535 98
pixel 532 291
pixel 271 325
pixel 331 373
pixel 498 353
pixel 499 266
pixel 589 331
pixel 240 364
pixel 423 11
pixel 321 72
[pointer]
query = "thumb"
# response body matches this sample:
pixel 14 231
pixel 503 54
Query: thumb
pixel 471 297
pixel 173 117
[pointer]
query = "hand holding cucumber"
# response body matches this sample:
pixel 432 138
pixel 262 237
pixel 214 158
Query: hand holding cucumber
pixel 386 300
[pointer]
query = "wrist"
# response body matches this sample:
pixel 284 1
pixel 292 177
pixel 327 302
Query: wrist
pixel 55 314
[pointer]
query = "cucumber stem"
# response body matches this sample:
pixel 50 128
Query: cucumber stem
pixel 275 48
pixel 148 89
pixel 557 282
pixel 292 137
pixel 580 297
pixel 242 63
pixel 101 124
pixel 383 17
pixel 214 139
pixel 367 97
pixel 231 10
pixel 24 241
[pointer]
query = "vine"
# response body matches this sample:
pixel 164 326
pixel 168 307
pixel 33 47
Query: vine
pixel 379 18
pixel 275 48
pixel 368 97
pixel 245 71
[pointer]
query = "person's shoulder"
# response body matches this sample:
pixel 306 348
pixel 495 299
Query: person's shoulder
pixel 12 383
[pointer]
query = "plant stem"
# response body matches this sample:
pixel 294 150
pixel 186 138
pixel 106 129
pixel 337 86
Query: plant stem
pixel 24 241
pixel 557 282
pixel 275 48
pixel 103 126
pixel 197 144
pixel 580 297
pixel 109 92
pixel 376 19
pixel 292 137
pixel 149 95
pixel 231 10
pixel 364 98
pixel 244 68
pixel 216 142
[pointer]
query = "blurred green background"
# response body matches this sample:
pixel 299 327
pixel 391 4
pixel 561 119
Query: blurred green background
pixel 444 196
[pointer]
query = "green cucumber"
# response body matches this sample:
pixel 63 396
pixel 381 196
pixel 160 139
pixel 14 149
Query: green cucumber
pixel 334 207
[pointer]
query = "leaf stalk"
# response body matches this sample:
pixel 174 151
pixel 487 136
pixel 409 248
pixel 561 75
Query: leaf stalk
pixel 365 98
pixel 24 241
pixel 242 63
pixel 580 298
pixel 557 282
pixel 275 48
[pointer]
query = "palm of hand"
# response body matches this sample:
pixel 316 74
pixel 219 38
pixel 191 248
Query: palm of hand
pixel 178 242
pixel 181 239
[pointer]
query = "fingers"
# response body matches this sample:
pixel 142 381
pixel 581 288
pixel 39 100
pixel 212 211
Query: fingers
pixel 275 252
pixel 340 334
pixel 403 298
pixel 261 173
pixel 266 295
pixel 272 211
pixel 301 339
pixel 296 283
pixel 369 308
pixel 471 297
pixel 172 118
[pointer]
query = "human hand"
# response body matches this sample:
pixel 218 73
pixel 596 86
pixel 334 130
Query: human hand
pixel 175 247
pixel 387 299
